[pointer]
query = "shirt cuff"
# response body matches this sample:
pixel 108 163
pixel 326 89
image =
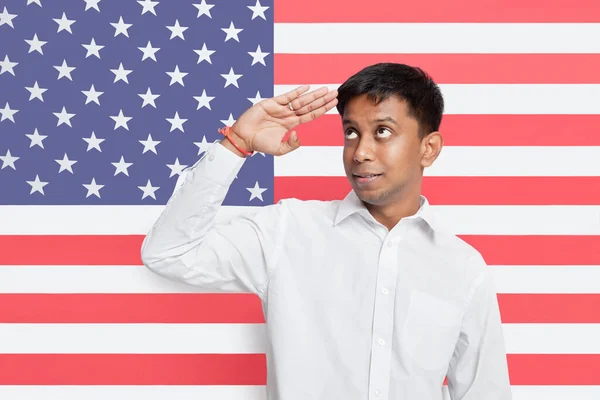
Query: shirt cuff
pixel 219 164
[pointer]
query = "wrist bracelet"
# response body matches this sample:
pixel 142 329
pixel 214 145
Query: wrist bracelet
pixel 225 132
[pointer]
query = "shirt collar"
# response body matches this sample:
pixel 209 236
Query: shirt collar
pixel 353 205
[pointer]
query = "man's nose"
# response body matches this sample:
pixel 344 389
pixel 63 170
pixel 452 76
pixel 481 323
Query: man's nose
pixel 364 151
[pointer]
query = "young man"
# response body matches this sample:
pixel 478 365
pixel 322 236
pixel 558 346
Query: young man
pixel 364 298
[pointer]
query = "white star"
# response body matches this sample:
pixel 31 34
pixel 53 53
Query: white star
pixel 258 10
pixel 149 51
pixel 121 120
pixel 203 145
pixel 37 185
pixel 36 139
pixel 229 121
pixel 177 76
pixel 232 32
pixel 93 188
pixel 149 144
pixel 6 18
pixel 177 30
pixel 176 168
pixel 204 100
pixel 91 4
pixel 148 98
pixel 121 166
pixel 92 95
pixel 64 117
pixel 92 48
pixel 121 73
pixel 258 56
pixel 204 54
pixel 9 160
pixel 35 44
pixel 204 9
pixel 64 24
pixel 256 192
pixel 148 190
pixel 94 142
pixel 121 27
pixel 65 164
pixel 36 92
pixel 8 113
pixel 148 6
pixel 64 70
pixel 176 122
pixel 231 78
pixel 34 1
pixel 255 99
pixel 7 65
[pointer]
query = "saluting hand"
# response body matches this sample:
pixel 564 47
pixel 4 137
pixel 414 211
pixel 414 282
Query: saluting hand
pixel 263 126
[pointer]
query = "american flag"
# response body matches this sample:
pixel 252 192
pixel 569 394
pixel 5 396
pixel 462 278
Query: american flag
pixel 103 103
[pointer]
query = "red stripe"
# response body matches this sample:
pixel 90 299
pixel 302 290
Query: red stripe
pixel 295 69
pixel 461 190
pixel 537 250
pixel 550 308
pixel 481 130
pixel 554 369
pixel 501 250
pixel 71 249
pixel 132 369
pixel 438 11
pixel 131 308
pixel 246 308
pixel 239 369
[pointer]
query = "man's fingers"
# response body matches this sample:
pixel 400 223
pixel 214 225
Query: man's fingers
pixel 314 114
pixel 318 102
pixel 285 98
pixel 308 98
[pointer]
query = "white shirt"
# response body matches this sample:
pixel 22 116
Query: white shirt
pixel 352 311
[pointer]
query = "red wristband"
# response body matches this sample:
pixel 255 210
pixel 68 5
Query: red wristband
pixel 225 132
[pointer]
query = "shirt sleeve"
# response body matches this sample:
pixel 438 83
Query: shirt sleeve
pixel 189 243
pixel 478 368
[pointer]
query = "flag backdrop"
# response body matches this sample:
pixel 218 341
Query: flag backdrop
pixel 103 103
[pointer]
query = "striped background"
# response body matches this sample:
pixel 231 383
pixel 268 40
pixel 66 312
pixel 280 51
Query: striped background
pixel 519 179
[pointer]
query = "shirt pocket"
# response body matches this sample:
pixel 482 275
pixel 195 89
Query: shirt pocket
pixel 431 330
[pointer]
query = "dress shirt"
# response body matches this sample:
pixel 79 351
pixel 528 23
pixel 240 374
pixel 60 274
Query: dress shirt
pixel 353 311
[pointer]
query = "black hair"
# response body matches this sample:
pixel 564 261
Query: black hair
pixel 412 84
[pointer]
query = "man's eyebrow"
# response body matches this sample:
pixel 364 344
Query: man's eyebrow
pixel 386 119
pixel 348 121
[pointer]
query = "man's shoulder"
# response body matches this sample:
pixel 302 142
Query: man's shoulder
pixel 313 208
pixel 458 249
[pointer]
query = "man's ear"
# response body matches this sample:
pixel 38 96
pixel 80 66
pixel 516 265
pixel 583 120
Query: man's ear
pixel 431 146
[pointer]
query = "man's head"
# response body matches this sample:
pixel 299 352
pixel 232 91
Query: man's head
pixel 391 115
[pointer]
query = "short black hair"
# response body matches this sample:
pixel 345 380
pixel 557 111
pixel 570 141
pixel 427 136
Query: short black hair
pixel 412 84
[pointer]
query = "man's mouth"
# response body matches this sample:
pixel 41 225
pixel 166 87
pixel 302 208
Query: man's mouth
pixel 366 178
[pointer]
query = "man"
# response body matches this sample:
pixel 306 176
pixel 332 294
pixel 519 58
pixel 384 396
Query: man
pixel 364 298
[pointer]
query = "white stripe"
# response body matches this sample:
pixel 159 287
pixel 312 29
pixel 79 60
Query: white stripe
pixel 461 161
pixel 91 220
pixel 243 338
pixel 505 98
pixel 137 220
pixel 162 392
pixel 538 279
pixel 123 392
pixel 138 279
pixel 132 338
pixel 313 38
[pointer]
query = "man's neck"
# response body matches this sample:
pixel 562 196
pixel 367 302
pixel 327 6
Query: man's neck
pixel 390 214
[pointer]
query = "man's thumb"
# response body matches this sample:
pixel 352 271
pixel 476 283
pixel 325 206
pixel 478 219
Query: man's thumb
pixel 289 145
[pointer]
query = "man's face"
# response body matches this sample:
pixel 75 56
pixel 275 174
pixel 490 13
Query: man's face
pixel 382 150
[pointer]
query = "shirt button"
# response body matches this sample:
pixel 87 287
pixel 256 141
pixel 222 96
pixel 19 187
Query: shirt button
pixel 211 157
pixel 390 244
pixel 381 342
pixel 384 291
pixel 377 393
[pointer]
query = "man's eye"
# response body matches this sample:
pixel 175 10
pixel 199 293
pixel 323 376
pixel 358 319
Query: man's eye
pixel 383 132
pixel 351 135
